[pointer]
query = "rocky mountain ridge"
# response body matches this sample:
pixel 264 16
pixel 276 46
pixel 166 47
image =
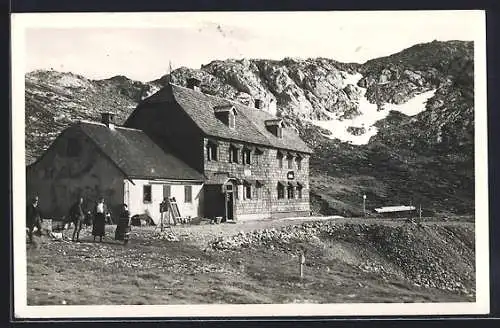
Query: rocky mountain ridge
pixel 392 166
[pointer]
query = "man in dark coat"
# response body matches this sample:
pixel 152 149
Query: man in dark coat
pixel 122 231
pixel 33 218
pixel 77 217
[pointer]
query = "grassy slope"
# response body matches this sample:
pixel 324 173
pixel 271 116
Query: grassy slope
pixel 340 174
pixel 427 159
pixel 354 263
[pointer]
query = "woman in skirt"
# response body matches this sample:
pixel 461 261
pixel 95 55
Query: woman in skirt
pixel 122 231
pixel 99 220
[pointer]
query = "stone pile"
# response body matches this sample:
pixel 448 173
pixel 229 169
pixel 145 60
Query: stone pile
pixel 436 257
pixel 166 235
pixel 271 238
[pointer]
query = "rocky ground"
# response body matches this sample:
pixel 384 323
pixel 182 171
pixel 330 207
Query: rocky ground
pixel 347 260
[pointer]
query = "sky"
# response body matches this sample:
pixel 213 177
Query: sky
pixel 141 46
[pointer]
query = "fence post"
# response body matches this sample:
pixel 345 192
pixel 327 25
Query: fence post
pixel 302 261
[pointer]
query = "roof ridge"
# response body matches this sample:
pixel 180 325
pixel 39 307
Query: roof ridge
pixel 222 98
pixel 90 122
pixel 104 125
pixel 127 128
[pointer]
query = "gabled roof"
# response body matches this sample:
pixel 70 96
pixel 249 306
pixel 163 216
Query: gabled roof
pixel 250 123
pixel 136 155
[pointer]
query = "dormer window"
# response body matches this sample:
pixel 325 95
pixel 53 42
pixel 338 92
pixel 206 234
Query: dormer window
pixel 226 114
pixel 275 126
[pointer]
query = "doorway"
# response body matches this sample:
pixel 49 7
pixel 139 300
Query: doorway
pixel 229 206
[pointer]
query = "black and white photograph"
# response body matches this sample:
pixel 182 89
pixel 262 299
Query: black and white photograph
pixel 218 164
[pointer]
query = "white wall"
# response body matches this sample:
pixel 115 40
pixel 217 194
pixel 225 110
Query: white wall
pixel 134 198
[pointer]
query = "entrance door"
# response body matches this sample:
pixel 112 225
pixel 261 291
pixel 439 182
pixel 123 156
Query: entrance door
pixel 229 206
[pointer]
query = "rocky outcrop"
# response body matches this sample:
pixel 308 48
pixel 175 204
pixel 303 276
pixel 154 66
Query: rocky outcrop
pixel 428 156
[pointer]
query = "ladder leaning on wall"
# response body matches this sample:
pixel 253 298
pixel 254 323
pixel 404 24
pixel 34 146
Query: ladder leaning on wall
pixel 170 207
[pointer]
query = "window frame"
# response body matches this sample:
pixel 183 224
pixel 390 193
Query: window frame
pixel 246 154
pixel 299 191
pixel 247 191
pixel 298 161
pixel 212 155
pixel 188 200
pixel 169 188
pixel 233 154
pixel 144 193
pixel 290 192
pixel 280 159
pixel 289 162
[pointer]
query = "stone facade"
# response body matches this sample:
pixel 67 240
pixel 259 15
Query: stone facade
pixel 264 167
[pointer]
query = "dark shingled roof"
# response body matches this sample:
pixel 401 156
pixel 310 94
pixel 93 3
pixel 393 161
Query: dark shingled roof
pixel 136 154
pixel 250 122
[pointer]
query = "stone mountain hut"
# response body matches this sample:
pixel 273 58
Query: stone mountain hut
pixel 218 157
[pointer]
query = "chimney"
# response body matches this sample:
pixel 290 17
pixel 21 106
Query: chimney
pixel 258 103
pixel 193 83
pixel 108 118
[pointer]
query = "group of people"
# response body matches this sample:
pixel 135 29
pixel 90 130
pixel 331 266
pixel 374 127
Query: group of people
pixel 77 217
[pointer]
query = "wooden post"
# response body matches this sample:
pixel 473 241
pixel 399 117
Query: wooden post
pixel 302 261
pixel 161 215
pixel 364 206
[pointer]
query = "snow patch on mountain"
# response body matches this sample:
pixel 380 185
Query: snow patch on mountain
pixel 413 106
pixel 358 130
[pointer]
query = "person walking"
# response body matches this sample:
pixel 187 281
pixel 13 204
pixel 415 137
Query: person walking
pixel 99 220
pixel 33 218
pixel 122 231
pixel 77 217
